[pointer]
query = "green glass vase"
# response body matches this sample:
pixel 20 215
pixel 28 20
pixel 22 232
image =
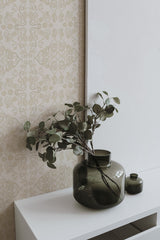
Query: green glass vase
pixel 99 182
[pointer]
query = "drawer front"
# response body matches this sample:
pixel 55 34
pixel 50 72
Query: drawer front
pixel 151 234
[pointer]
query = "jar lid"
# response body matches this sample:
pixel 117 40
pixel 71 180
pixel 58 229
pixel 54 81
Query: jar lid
pixel 134 176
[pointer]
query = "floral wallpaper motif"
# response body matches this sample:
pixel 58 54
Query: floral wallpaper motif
pixel 41 68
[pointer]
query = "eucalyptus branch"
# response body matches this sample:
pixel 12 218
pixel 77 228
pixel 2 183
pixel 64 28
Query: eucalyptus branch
pixel 70 132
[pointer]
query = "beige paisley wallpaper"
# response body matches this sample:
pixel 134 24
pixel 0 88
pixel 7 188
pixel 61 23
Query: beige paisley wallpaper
pixel 41 68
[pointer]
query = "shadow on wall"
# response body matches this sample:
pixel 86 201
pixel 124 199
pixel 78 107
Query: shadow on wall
pixel 6 220
pixel 12 160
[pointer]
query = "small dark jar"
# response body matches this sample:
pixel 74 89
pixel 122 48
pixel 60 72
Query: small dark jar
pixel 134 184
pixel 99 182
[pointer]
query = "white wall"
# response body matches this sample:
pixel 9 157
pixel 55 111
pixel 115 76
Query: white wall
pixel 123 58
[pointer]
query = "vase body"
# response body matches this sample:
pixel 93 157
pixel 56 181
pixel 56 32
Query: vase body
pixel 98 182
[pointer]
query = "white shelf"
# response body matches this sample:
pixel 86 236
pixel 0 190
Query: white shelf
pixel 58 216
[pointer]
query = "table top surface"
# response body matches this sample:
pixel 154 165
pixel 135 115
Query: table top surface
pixel 58 214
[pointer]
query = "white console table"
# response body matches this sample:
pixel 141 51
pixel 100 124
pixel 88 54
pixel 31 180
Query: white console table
pixel 58 216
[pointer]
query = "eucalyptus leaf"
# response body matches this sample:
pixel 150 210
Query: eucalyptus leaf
pixel 43 156
pixel 106 93
pixel 54 158
pixel 90 119
pixel 68 112
pixel 116 100
pixel 109 115
pixel 86 107
pixel 69 117
pixel 72 128
pixel 109 109
pixel 62 145
pixel 51 165
pixel 29 146
pixel 59 133
pixel 31 140
pixel 68 104
pixel 27 126
pixel 103 115
pixel 88 134
pixel 40 155
pixel 97 108
pixel 107 101
pixel 76 103
pixel 64 124
pixel 99 94
pixel 78 151
pixel 54 138
pixel 89 126
pixel 78 108
pixel 82 126
pixel 41 125
pixel 50 155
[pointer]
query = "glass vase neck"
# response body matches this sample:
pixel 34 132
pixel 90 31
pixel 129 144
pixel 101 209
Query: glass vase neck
pixel 100 158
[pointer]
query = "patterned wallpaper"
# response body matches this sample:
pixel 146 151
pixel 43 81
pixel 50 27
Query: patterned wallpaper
pixel 41 68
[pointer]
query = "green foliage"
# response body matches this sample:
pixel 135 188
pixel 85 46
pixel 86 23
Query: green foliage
pixel 41 125
pixel 117 100
pixel 97 108
pixel 54 138
pixel 106 93
pixel 88 134
pixel 27 126
pixel 71 131
pixel 77 150
pixel 51 165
